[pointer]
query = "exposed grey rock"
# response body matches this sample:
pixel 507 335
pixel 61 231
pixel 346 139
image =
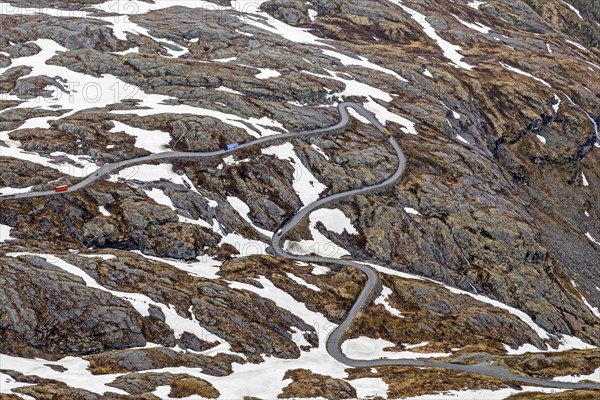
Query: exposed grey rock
pixel 292 12
pixel 49 313
pixel 23 50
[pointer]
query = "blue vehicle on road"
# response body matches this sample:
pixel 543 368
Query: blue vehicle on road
pixel 231 146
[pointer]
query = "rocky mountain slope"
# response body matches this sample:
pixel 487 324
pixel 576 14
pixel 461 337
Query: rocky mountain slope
pixel 158 281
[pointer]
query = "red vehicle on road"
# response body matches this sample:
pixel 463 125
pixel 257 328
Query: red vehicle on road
pixel 62 188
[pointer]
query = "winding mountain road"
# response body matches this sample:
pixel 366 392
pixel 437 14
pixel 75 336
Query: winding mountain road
pixel 112 167
pixel 336 338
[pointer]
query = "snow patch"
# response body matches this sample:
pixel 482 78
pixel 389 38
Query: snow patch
pixel 556 105
pixel 594 376
pixel 476 4
pixel 576 11
pixel 266 73
pixel 450 50
pixel 243 209
pixel 204 267
pixel 320 270
pixel 579 46
pixel 77 376
pixel 104 211
pixel 589 236
pixel 333 220
pixel 362 62
pixel 475 26
pixel 383 300
pixel 541 138
pixel 521 72
pixel 409 346
pixel 305 184
pixel 293 34
pixel 594 310
pixel 365 348
pixel 302 282
pixel 412 211
pixel 484 393
pixel 320 151
pixel 160 197
pixel 225 60
pixel 5 233
pixel 9 190
pixel 462 139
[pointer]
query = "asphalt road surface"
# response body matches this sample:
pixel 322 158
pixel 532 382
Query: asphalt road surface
pixel 337 337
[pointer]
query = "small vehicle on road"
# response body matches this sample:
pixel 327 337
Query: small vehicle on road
pixel 231 146
pixel 7 196
pixel 386 132
pixel 62 188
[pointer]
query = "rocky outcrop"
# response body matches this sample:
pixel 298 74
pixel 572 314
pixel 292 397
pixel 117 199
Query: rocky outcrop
pixel 292 12
pixel 412 382
pixel 56 391
pixel 21 174
pixel 154 229
pixel 182 385
pixel 22 50
pixel 81 134
pixel 485 251
pixel 307 384
pixel 49 313
pixel 338 288
pixel 72 33
pixel 9 78
pixel 14 117
pixel 135 360
pixel 568 395
pixel 442 319
pixel 549 366
pixel 249 323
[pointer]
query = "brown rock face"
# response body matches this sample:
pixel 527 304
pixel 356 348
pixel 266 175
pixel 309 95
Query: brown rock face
pixel 338 289
pixel 190 386
pixel 410 382
pixel 307 385
pixel 50 313
pixel 182 385
pixel 251 324
pixel 155 358
pixel 548 366
pixel 441 318
pixel 56 391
